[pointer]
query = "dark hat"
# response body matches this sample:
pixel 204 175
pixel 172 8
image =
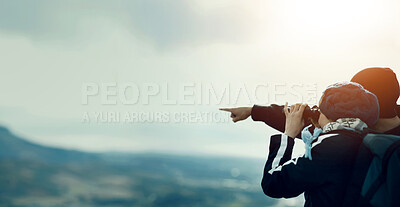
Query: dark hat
pixel 383 83
pixel 349 100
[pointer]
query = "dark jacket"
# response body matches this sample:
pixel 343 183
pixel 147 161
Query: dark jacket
pixel 323 179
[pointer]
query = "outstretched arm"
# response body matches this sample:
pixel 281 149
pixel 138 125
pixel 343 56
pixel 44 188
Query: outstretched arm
pixel 271 115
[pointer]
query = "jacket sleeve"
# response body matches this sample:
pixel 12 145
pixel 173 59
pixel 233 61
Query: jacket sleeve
pixel 286 177
pixel 271 115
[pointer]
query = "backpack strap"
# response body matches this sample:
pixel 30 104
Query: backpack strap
pixel 374 187
pixel 386 158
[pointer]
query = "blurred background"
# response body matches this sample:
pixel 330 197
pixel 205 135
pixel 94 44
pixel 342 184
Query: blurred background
pixel 115 103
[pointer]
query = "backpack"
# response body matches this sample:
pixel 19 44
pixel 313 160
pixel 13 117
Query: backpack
pixel 377 171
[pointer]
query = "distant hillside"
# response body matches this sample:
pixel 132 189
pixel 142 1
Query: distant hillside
pixel 12 147
pixel 34 175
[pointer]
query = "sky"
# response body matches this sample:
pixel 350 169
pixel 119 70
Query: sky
pixel 169 55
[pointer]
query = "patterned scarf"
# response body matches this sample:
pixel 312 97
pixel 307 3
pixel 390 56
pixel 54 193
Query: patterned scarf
pixel 352 124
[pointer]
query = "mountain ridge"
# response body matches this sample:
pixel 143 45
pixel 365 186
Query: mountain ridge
pixel 15 147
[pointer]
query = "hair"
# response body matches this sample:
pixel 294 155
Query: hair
pixel 349 100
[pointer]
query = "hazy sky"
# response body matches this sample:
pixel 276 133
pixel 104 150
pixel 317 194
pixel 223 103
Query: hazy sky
pixel 50 49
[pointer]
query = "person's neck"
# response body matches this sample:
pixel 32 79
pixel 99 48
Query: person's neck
pixel 384 125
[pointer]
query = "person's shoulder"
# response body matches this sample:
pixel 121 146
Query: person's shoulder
pixel 323 137
pixel 336 145
pixel 338 139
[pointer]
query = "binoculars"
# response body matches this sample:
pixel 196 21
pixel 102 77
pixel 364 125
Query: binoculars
pixel 310 113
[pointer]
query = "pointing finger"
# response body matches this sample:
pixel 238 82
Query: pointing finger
pixel 225 109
